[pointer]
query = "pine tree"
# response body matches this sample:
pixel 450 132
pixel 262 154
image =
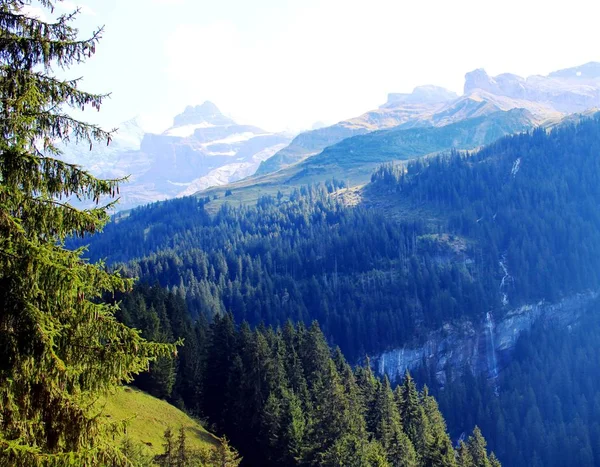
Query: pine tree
pixel 137 453
pixel 477 448
pixel 224 455
pixel 494 462
pixel 464 456
pixel 61 346
pixel 438 446
pixel 399 449
pixel 220 354
pixel 369 386
pixel 182 455
pixel 412 413
pixel 167 458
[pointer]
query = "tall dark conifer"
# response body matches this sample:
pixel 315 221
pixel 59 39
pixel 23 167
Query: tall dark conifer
pixel 61 345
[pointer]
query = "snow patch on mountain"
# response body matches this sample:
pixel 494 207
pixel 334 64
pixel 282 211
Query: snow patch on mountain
pixel 226 153
pixel 187 130
pixel 231 172
pixel 234 138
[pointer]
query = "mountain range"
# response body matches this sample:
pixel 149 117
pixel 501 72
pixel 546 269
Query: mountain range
pixel 460 243
pixel 206 152
pixel 546 97
pixel 202 148
pixel 426 121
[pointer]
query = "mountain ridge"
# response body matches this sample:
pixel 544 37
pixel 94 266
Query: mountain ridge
pixel 551 97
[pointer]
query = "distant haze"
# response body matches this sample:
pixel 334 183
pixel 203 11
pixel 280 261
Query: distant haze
pixel 287 64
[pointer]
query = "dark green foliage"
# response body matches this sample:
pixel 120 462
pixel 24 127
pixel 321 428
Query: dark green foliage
pixel 284 398
pixel 530 199
pixel 364 277
pixel 547 408
pixel 438 446
pixel 61 347
pixel 372 281
pixel 161 315
pixel 477 449
pixel 412 412
pixel 289 400
pixel 390 430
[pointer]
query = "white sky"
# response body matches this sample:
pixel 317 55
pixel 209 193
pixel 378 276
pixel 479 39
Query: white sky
pixel 289 63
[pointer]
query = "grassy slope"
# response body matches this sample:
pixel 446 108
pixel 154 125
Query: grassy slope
pixel 148 418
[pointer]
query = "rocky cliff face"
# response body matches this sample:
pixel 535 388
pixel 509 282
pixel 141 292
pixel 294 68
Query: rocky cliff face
pixel 485 347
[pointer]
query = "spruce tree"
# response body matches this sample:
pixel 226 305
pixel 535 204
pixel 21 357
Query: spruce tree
pixel 61 346
pixel 182 455
pixel 399 449
pixel 224 455
pixel 477 448
pixel 465 459
pixel 167 458
pixel 412 413
pixel 494 462
pixel 438 446
pixel 369 386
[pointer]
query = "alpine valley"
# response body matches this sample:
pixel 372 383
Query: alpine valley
pixel 453 237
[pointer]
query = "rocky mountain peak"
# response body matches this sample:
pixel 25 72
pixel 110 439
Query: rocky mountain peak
pixel 570 90
pixel 205 113
pixel 478 79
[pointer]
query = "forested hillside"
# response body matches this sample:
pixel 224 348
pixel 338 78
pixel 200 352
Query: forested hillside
pixel 259 318
pixel 72 333
pixel 544 410
pixel 530 201
pixel 284 398
pixel 513 223
pixel 370 282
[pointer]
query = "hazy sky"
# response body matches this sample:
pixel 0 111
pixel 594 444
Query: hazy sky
pixel 287 64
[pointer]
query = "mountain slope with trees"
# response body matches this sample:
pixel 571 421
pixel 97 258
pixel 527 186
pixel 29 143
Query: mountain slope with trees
pixel 544 409
pixel 529 200
pixel 514 223
pixel 375 281
pixel 354 159
pixel 285 398
pixel 66 342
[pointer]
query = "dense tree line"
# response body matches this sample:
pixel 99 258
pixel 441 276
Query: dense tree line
pixel 284 398
pixel 544 410
pixel 371 282
pixel 530 200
